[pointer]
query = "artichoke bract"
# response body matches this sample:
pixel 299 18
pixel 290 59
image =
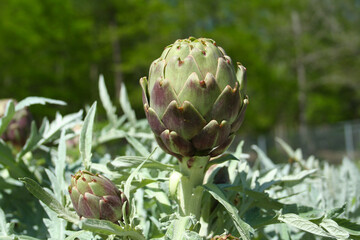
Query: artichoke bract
pixel 193 98
pixel 95 196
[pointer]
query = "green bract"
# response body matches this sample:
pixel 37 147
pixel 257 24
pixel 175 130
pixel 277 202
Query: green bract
pixel 95 196
pixel 193 99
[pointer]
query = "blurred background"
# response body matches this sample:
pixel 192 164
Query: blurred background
pixel 301 58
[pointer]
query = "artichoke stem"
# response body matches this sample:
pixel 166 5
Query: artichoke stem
pixel 190 189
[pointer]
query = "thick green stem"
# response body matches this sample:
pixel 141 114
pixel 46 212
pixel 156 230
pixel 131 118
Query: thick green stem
pixel 190 191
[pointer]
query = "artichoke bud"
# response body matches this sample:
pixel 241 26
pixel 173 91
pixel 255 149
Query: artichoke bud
pixel 18 130
pixel 193 98
pixel 95 196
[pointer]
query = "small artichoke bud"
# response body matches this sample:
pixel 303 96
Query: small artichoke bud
pixel 19 127
pixel 95 196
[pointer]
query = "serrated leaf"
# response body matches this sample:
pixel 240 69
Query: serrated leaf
pixel 243 228
pixel 179 229
pixel 108 228
pixel 265 161
pixel 303 224
pixel 37 100
pixel 105 99
pixel 7 117
pixel 86 137
pixel 49 200
pixel 333 228
pixel 291 180
pixel 125 105
pixel 47 131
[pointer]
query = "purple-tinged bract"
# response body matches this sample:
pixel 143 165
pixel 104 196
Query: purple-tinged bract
pixel 194 99
pixel 95 196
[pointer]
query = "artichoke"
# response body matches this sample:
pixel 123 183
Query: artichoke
pixel 95 196
pixel 18 130
pixel 193 99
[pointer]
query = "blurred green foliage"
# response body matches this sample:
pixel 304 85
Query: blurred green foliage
pixel 58 48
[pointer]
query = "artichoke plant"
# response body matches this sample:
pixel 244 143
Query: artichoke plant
pixel 95 196
pixel 194 99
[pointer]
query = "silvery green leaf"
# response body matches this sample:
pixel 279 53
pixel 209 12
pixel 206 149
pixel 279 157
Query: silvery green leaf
pixel 291 180
pixel 55 226
pixel 284 232
pixel 109 228
pixel 243 228
pixel 351 227
pixel 49 200
pixel 48 131
pixel 290 152
pixel 105 99
pixel 179 230
pixel 79 235
pixel 37 100
pixel 124 162
pixel 127 186
pixel 334 229
pixel 137 146
pixel 3 226
pixel 60 163
pixel 33 140
pixel 111 135
pixel 267 180
pixel 221 159
pixel 336 212
pixel 86 137
pixel 303 224
pixel 8 115
pixel 262 198
pixel 264 160
pixel 23 237
pixel 125 105
pixel 161 199
pixel 54 184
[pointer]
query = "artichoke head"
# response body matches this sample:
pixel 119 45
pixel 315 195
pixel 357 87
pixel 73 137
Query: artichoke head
pixel 18 130
pixel 193 98
pixel 95 196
